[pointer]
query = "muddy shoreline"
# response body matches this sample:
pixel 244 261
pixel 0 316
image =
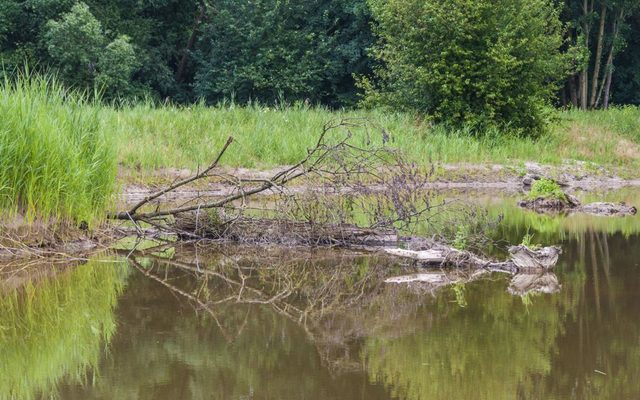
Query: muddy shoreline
pixel 575 176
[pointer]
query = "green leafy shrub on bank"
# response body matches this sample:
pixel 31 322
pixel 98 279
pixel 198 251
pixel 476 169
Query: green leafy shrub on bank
pixel 547 189
pixel 482 65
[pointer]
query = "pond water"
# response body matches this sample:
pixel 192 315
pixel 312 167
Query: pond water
pixel 242 323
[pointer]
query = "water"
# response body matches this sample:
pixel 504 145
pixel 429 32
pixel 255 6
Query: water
pixel 240 323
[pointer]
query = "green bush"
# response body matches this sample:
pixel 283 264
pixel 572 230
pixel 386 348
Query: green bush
pixel 548 189
pixel 488 65
pixel 54 159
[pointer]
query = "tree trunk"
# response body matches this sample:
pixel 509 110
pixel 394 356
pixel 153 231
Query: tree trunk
pixel 584 74
pixel 573 91
pixel 192 39
pixel 606 86
pixel 608 70
pixel 596 68
pixel 607 89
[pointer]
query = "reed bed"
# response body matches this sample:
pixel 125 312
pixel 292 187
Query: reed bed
pixel 55 160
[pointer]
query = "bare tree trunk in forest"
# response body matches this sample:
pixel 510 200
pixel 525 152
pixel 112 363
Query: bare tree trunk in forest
pixel 573 91
pixel 606 82
pixel 584 78
pixel 583 88
pixel 596 69
pixel 607 88
pixel 192 39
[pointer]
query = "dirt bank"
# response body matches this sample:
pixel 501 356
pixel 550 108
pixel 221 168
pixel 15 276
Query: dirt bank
pixel 573 175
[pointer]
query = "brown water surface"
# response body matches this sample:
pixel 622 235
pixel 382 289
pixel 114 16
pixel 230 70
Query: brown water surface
pixel 241 323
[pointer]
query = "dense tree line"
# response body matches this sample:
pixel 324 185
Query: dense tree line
pixel 260 50
pixel 462 61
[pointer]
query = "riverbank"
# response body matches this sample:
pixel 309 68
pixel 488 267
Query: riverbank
pixel 505 179
pixel 60 153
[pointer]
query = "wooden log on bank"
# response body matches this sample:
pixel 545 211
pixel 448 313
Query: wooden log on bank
pixel 529 268
pixel 280 232
pixel 525 258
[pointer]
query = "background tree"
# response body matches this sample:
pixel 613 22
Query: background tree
pixel 116 64
pixel 271 50
pixel 466 63
pixel 74 43
pixel 600 29
pixel 626 86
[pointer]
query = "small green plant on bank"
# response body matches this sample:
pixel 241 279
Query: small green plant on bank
pixel 547 189
pixel 527 241
pixel 460 240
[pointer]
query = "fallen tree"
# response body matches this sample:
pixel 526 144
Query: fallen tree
pixel 316 217
pixel 522 258
pixel 342 209
pixel 529 268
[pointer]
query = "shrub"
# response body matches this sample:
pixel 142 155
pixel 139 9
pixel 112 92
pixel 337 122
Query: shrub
pixel 485 65
pixel 548 189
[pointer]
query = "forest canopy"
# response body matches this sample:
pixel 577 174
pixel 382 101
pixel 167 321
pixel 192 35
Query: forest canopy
pixel 478 63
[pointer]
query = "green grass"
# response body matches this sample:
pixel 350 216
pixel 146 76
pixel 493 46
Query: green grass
pixel 151 137
pixel 55 160
pixel 59 152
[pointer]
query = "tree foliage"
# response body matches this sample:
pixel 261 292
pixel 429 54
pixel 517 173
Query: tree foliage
pixel 478 64
pixel 271 50
pixel 74 43
pixel 466 62
pixel 600 29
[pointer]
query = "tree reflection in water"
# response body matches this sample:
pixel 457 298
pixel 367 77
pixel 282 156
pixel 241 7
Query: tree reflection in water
pixel 259 323
pixel 55 328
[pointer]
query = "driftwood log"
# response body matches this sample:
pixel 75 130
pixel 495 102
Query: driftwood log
pixel 526 259
pixel 522 258
pixel 529 268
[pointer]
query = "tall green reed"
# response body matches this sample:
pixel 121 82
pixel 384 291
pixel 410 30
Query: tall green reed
pixel 55 161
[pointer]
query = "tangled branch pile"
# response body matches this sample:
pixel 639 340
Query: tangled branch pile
pixel 357 194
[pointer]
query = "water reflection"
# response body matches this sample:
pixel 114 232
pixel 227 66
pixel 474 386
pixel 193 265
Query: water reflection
pixel 242 323
pixel 55 328
pixel 218 329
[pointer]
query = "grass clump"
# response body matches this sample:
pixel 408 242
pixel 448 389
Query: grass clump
pixel 55 162
pixel 546 189
pixel 527 241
